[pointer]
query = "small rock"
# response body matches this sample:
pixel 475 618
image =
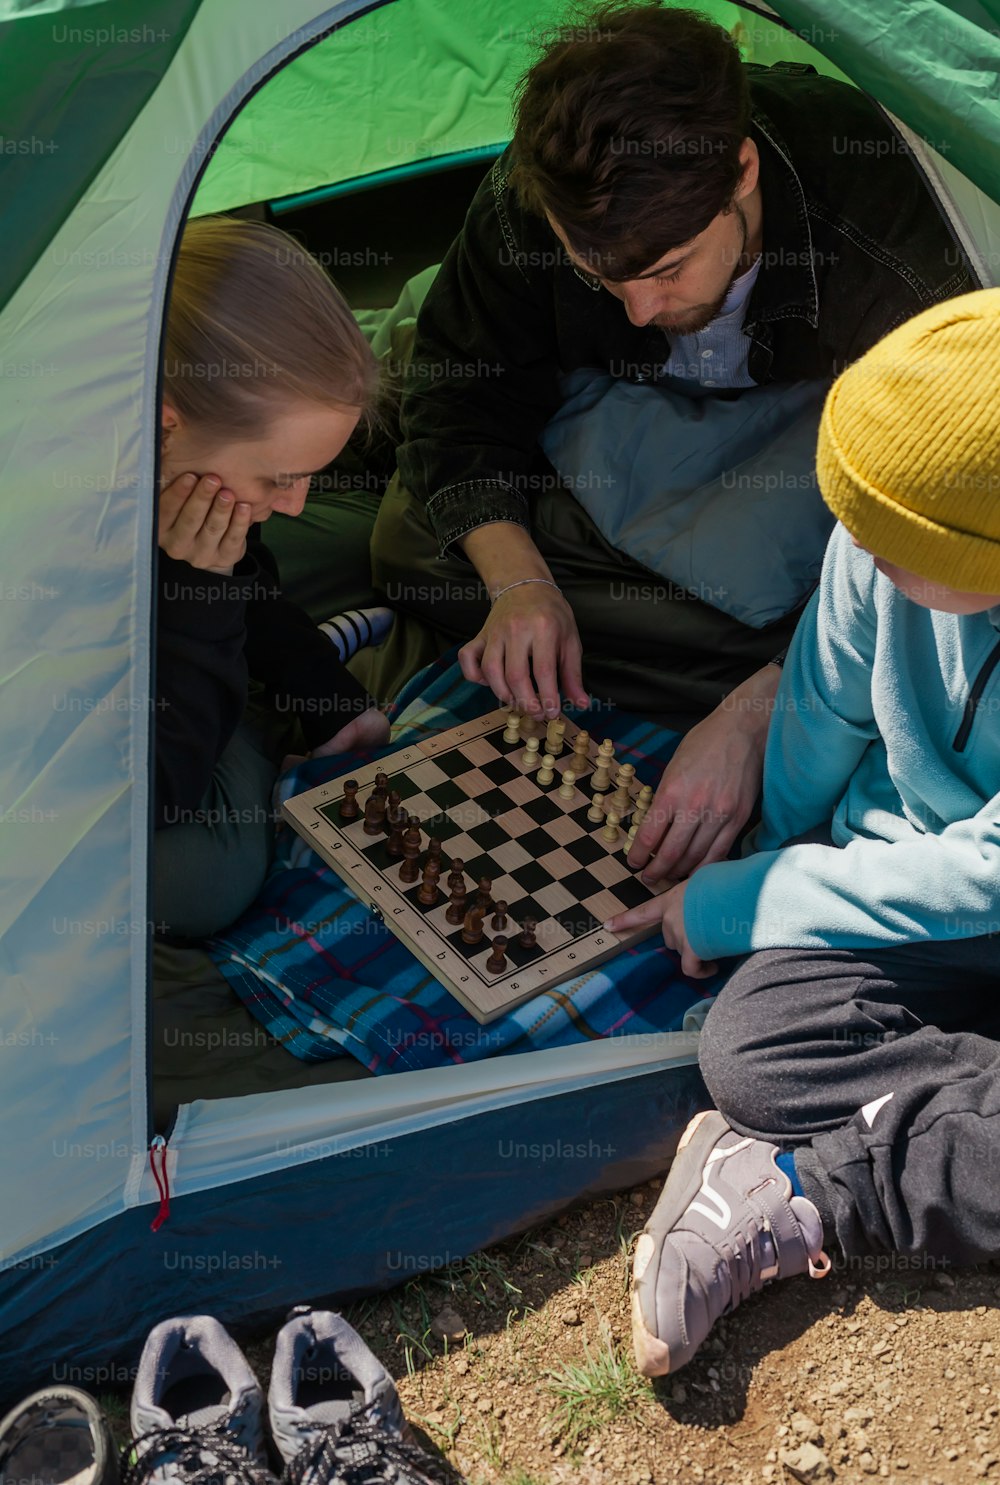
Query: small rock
pixel 867 1463
pixel 484 1405
pixel 448 1325
pixel 637 1199
pixel 807 1428
pixel 860 1415
pixel 461 1365
pixel 679 1393
pixel 571 1317
pixel 944 1281
pixel 880 1347
pixel 586 1259
pixel 807 1463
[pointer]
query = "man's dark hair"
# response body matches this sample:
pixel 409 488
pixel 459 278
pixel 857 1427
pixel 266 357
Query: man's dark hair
pixel 628 132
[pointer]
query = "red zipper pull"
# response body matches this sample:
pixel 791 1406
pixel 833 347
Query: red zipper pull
pixel 162 1183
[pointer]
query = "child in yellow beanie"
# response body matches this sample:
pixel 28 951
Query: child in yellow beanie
pixel 854 1056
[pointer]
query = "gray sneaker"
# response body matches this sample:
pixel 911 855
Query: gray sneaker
pixel 725 1224
pixel 197 1409
pixel 335 1412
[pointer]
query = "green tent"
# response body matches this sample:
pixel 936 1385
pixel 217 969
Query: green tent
pixel 118 121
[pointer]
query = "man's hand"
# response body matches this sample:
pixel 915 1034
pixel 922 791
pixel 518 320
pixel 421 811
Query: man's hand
pixel 203 524
pixel 668 910
pixel 528 651
pixel 709 787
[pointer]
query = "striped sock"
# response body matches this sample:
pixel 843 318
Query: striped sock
pixel 352 631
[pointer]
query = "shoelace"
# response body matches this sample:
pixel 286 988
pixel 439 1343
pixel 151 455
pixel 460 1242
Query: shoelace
pixel 360 1452
pixel 745 1264
pixel 188 1446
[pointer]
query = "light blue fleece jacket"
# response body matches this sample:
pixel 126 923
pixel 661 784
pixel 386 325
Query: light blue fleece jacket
pixel 887 729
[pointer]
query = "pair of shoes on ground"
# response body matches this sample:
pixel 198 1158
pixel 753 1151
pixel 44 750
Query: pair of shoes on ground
pixel 726 1223
pixel 197 1412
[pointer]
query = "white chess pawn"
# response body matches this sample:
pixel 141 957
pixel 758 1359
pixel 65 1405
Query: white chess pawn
pixel 638 817
pixel 530 755
pixel 512 732
pixel 581 749
pixel 596 811
pixel 610 831
pixel 622 800
pixel 605 760
pixel 633 831
pixel 567 789
pixel 546 772
pixel 645 797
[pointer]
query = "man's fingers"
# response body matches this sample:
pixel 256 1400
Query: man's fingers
pixel 546 683
pixel 642 916
pixel 571 671
pixel 649 835
pixel 469 658
pixel 494 667
pixel 519 678
pixel 697 969
pixel 671 849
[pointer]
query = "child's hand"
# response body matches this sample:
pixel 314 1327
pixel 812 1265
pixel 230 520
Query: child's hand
pixel 203 524
pixel 369 730
pixel 667 909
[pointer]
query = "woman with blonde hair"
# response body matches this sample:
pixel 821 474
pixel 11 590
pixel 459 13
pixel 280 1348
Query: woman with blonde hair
pixel 265 378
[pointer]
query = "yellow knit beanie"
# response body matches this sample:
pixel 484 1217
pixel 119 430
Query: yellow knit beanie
pixel 909 445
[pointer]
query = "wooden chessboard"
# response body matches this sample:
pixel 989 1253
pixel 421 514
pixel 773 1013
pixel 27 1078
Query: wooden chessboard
pixel 477 795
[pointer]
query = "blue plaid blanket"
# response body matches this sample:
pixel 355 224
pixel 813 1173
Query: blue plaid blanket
pixel 326 978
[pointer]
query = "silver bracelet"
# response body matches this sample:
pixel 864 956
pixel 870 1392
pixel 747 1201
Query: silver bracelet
pixel 520 584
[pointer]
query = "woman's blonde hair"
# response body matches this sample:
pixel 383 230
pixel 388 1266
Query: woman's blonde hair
pixel 254 324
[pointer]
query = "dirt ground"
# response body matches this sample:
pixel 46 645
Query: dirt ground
pixel 890 1374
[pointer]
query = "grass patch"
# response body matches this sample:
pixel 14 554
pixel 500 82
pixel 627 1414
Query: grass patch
pixel 594 1391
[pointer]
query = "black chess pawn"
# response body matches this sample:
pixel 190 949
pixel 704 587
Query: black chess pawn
pixel 381 785
pixel 429 891
pixel 472 931
pixel 394 810
pixel 484 897
pixel 394 845
pixel 499 920
pixel 434 849
pixel 497 962
pixel 457 873
pixel 526 938
pixel 349 807
pixel 374 814
pixel 413 835
pixel 410 869
pixel 457 903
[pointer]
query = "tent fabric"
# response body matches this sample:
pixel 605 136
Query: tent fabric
pixel 90 239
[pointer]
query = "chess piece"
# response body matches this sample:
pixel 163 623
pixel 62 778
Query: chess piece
pixel 554 735
pixel 610 831
pixel 546 773
pixel 472 930
pixel 456 877
pixel 499 921
pixel 605 762
pixel 622 800
pixel 394 810
pixel 530 755
pixel 410 869
pixel 581 748
pixel 394 845
pixel 381 785
pixel 374 814
pixel 497 962
pixel 484 897
pixel 434 850
pixel 645 797
pixel 638 816
pixel 526 938
pixel 512 732
pixel 457 903
pixel 596 811
pixel 429 892
pixel 633 831
pixel 349 808
pixel 567 789
pixel 413 832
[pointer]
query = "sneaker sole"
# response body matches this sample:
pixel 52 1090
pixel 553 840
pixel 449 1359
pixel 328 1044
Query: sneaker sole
pixel 683 1183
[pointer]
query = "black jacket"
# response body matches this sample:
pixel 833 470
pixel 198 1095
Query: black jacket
pixel 853 244
pixel 213 633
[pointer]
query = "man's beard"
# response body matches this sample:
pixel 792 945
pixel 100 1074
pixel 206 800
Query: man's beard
pixel 702 315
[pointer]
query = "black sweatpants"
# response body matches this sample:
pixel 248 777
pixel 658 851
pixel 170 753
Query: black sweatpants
pixel 881 1070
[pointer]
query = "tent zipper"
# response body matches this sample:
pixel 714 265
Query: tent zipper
pixel 158 1145
pixel 974 698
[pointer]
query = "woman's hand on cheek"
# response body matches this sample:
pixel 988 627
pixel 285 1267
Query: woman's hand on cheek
pixel 203 524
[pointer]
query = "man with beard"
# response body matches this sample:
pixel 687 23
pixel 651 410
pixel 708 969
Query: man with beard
pixel 669 215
